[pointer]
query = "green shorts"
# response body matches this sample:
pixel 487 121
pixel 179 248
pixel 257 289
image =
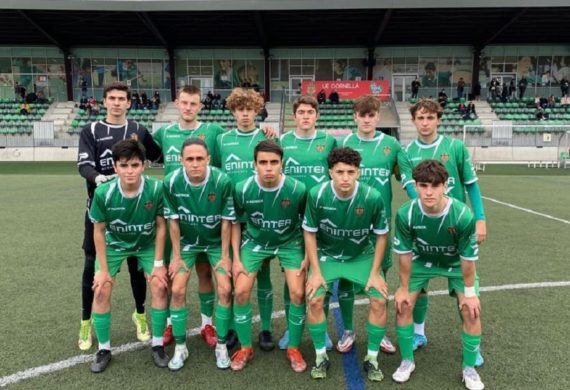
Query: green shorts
pixel 290 255
pixel 115 260
pixel 423 272
pixel 211 255
pixel 356 270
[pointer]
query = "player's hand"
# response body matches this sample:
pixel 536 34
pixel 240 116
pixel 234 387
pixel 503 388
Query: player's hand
pixel 100 279
pixel 481 229
pixel 225 263
pixel 314 282
pixel 304 266
pixel 376 281
pixel 269 132
pixel 238 268
pixel 473 306
pixel 103 178
pixel 402 299
pixel 161 275
pixel 175 266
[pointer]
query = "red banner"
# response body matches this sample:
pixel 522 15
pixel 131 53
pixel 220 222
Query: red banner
pixel 348 89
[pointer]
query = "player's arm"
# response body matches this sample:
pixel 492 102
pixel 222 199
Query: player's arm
pixel 102 276
pixel 476 200
pixel 237 266
pixel 153 149
pixel 86 158
pixel 403 243
pixel 380 228
pixel 176 263
pixel 470 300
pixel 405 171
pixel 469 254
pixel 159 271
pixel 315 280
pixel 226 262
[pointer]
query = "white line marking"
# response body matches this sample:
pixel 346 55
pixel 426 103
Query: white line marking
pixel 80 359
pixel 528 210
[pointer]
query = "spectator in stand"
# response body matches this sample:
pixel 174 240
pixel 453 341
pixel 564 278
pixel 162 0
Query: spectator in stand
pixel 322 97
pixel 543 102
pixel 477 91
pixel 460 88
pixel 333 97
pixel 156 97
pixel 493 87
pixel 512 89
pixel 415 88
pixel 94 106
pixel 207 102
pixel 505 92
pixel 551 102
pixel 564 86
pixel 83 102
pixel 522 87
pixel 135 101
pixel 471 110
pixel 83 86
pixel 144 101
pixel 565 100
pixel 41 98
pixel 25 109
pixel 442 98
pixel 263 113
pixel 462 108
pixel 540 115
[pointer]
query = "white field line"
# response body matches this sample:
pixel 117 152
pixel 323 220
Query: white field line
pixel 80 359
pixel 527 210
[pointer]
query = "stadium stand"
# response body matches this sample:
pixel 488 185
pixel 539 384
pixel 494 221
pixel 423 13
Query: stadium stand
pixel 13 122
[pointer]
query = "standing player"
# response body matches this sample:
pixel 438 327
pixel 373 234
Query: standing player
pixel 305 159
pixel 439 233
pixel 272 205
pixel 128 222
pixel 170 139
pixel 199 206
pixel 381 156
pixel 341 216
pixel 453 154
pixel 234 154
pixel 96 166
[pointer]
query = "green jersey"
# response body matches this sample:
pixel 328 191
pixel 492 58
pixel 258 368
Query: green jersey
pixel 305 159
pixel 198 208
pixel 452 153
pixel 380 156
pixel 344 225
pixel 130 223
pixel 442 240
pixel 272 215
pixel 171 137
pixel 234 153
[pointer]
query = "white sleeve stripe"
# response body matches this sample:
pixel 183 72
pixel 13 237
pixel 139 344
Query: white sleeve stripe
pixel 408 182
pixel 172 216
pixel 310 229
pixel 475 258
pixel 471 181
pixel 401 252
pixel 228 218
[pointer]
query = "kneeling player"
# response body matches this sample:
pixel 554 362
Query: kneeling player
pixel 127 214
pixel 272 205
pixel 439 233
pixel 340 217
pixel 198 203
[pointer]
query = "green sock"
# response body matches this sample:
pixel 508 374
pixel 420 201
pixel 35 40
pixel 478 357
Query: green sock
pixel 179 317
pixel 346 303
pixel 286 299
pixel 207 303
pixel 326 305
pixel 102 326
pixel 420 309
pixel 223 314
pixel 242 316
pixel 264 297
pixel 158 318
pixel 375 336
pixel 296 321
pixel 471 344
pixel 406 341
pixel 317 332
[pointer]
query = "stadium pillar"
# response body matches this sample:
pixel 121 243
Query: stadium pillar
pixel 171 71
pixel 267 76
pixel 476 66
pixel 370 64
pixel 68 74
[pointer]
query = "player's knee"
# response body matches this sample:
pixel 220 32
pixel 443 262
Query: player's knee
pixel 297 295
pixel 242 295
pixel 378 306
pixel 103 294
pixel 224 290
pixel 157 288
pixel 178 293
pixel 316 304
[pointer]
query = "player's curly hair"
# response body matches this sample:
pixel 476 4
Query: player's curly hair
pixel 244 98
pixel 430 171
pixel 428 105
pixel 344 155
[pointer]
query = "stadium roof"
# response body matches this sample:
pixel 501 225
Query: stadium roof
pixel 90 23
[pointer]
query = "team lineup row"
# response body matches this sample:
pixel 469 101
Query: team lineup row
pixel 270 207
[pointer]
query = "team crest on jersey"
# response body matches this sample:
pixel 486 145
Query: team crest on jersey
pixel 134 136
pixel 202 137
pixel 320 148
pixel 452 230
pixel 148 205
pixel 359 211
pixel 387 150
pixel 211 197
pixel 285 203
pixel 444 157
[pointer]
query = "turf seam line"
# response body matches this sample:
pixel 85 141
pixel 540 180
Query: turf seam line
pixel 129 347
pixel 527 210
